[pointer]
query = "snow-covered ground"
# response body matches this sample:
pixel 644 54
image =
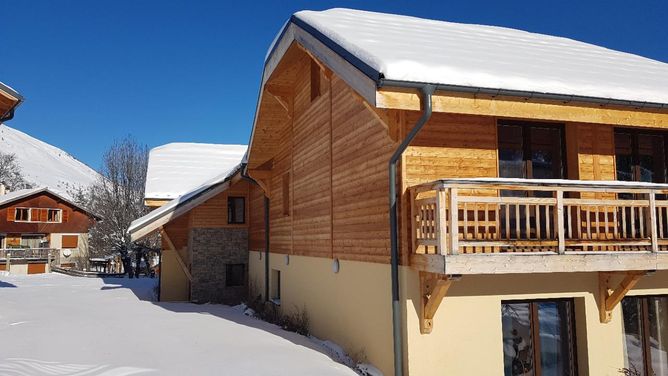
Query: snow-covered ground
pixel 52 324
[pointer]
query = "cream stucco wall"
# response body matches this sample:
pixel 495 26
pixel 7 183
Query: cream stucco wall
pixel 352 308
pixel 174 284
pixel 81 252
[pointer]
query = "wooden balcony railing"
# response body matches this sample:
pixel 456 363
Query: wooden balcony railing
pixel 496 215
pixel 28 253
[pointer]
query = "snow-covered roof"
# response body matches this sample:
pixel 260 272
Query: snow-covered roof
pixel 152 221
pixel 20 194
pixel 177 168
pixel 9 90
pixel 402 48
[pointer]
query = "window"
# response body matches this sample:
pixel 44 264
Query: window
pixel 53 215
pixel 315 80
pixel 646 335
pixel 22 214
pixel 33 241
pixel 236 210
pixel 531 150
pixel 235 275
pixel 538 338
pixel 286 193
pixel 276 286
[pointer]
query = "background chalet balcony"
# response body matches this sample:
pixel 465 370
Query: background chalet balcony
pixel 28 253
pixel 535 225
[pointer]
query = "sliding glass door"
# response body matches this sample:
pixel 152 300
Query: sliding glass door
pixel 538 338
pixel 646 335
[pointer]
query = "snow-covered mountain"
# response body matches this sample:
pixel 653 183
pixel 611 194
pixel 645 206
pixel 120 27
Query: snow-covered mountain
pixel 43 164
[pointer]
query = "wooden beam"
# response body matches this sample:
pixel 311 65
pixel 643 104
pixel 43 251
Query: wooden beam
pixel 433 288
pixel 458 103
pixel 283 95
pixel 171 246
pixel 608 300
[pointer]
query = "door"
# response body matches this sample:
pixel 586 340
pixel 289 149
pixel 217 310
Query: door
pixel 640 156
pixel 529 150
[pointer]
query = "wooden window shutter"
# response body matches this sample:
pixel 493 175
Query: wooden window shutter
pixel 11 214
pixel 34 215
pixel 66 215
pixel 70 241
pixel 43 215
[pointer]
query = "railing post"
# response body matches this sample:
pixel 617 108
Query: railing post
pixel 652 221
pixel 454 221
pixel 413 222
pixel 561 230
pixel 441 222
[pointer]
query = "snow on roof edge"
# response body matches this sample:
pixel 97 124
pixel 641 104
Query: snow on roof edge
pixel 378 76
pixel 174 204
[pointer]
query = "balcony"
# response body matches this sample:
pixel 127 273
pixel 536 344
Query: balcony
pixel 538 226
pixel 28 254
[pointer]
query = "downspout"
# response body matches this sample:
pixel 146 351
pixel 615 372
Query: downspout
pixel 244 174
pixel 426 92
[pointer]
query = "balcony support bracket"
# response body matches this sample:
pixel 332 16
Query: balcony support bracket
pixel 609 298
pixel 433 288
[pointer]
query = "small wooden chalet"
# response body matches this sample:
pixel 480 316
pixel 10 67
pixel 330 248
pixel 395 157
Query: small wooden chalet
pixel 456 199
pixel 204 236
pixel 39 227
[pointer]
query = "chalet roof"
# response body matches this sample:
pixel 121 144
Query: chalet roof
pixel 9 90
pixel 177 168
pixel 387 47
pixel 21 194
pixel 152 221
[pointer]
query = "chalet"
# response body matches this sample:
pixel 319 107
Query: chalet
pixel 9 100
pixel 39 227
pixel 204 231
pixel 463 199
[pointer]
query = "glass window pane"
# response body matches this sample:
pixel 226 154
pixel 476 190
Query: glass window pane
pixel 652 159
pixel 511 156
pixel 624 156
pixel 657 310
pixel 633 335
pixel 555 338
pixel 546 153
pixel 517 342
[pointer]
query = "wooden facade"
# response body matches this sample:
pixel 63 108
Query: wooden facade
pixel 74 219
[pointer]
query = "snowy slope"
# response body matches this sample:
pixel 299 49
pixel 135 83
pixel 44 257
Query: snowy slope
pixel 420 50
pixel 43 164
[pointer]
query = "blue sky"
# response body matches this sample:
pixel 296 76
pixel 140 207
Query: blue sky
pixel 167 71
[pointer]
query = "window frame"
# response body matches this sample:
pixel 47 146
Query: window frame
pixel 228 273
pixel 59 215
pixel 535 330
pixel 527 127
pixel 231 213
pixel 645 329
pixel 16 212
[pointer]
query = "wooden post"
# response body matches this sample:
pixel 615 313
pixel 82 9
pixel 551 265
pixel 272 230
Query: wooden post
pixel 561 231
pixel 441 222
pixel 413 224
pixel 454 222
pixel 652 221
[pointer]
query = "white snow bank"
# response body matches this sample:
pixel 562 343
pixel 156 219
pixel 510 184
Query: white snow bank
pixel 177 168
pixel 421 50
pixel 55 324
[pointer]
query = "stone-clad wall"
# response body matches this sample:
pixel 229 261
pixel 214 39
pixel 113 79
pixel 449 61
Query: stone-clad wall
pixel 212 250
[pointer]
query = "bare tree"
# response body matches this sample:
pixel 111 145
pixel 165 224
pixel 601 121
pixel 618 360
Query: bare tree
pixel 10 172
pixel 118 196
